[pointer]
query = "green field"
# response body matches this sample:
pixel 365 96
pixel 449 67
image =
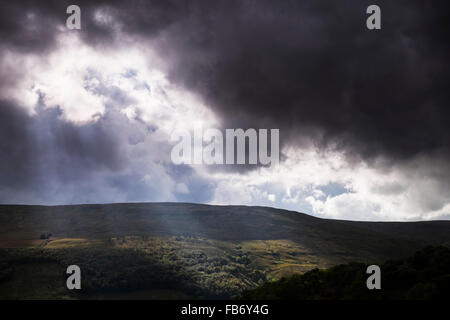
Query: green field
pixel 180 251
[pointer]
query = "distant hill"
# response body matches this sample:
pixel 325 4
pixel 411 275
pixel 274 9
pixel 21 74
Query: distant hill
pixel 339 240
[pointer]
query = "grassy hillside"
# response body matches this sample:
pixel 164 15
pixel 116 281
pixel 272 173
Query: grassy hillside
pixel 337 239
pixel 206 251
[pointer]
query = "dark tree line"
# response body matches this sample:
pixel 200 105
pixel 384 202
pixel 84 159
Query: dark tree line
pixel 424 276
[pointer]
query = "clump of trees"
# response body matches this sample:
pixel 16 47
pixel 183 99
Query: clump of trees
pixel 104 269
pixel 132 263
pixel 214 275
pixel 6 271
pixel 425 275
pixel 45 236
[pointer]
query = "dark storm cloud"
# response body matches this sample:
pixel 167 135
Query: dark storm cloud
pixel 26 26
pixel 310 68
pixel 16 145
pixel 34 150
pixel 33 25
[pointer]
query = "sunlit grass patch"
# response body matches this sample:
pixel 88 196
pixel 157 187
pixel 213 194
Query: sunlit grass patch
pixel 74 243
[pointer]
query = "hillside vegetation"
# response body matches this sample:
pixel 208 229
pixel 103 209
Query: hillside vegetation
pixel 176 250
pixel 425 275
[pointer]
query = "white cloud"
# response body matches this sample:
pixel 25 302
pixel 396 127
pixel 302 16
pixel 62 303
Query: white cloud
pixel 407 192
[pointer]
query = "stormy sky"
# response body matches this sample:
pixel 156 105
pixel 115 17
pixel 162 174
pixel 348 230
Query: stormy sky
pixel 86 115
